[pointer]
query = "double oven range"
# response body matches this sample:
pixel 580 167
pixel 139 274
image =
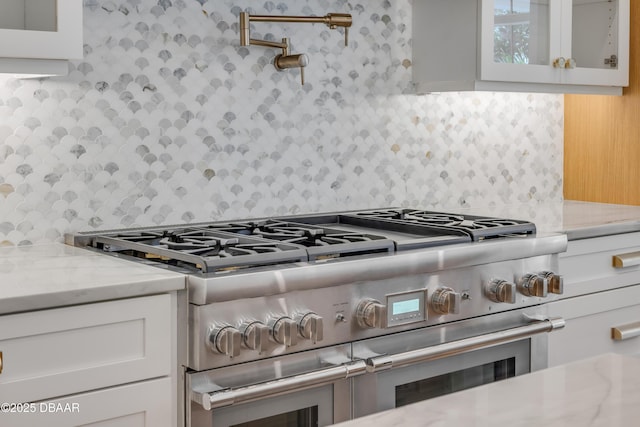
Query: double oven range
pixel 312 320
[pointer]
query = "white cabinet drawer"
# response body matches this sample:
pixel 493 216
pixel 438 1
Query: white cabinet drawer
pixel 590 319
pixel 145 404
pixel 587 266
pixel 69 350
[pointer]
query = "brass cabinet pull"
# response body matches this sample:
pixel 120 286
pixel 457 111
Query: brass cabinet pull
pixel 0 362
pixel 625 332
pixel 626 260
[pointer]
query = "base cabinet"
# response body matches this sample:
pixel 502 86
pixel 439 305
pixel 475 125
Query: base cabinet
pixel 601 297
pixel 103 364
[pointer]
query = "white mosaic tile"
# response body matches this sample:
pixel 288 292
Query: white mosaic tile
pixel 168 120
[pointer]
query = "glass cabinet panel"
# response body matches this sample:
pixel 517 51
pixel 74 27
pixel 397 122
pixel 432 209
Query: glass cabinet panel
pixel 521 32
pixel 594 38
pixel 31 15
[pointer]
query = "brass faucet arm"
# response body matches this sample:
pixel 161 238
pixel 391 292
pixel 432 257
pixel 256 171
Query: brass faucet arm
pixel 266 43
pixel 332 20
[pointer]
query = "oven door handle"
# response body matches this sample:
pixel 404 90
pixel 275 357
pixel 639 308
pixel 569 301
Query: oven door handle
pixel 381 363
pixel 227 397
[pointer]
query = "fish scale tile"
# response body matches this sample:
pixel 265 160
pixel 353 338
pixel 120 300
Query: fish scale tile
pixel 167 119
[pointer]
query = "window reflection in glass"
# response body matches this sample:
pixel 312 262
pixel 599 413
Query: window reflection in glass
pixel 521 32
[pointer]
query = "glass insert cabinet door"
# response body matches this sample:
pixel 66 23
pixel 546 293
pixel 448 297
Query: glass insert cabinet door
pixel 555 41
pixel 41 29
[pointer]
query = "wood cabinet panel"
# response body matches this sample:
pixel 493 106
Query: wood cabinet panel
pixel 602 138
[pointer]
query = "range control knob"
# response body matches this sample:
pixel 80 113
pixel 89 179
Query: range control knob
pixel 255 335
pixel 284 330
pixel 225 340
pixel 501 291
pixel 370 313
pixel 533 285
pixel 446 301
pixel 310 326
pixel 554 282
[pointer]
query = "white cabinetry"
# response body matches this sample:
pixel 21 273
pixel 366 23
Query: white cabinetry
pixel 39 36
pixel 579 46
pixel 90 363
pixel 600 299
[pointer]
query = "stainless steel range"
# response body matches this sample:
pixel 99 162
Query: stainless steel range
pixel 312 320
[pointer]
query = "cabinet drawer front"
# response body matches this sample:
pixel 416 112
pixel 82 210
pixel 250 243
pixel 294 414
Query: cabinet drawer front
pixel 596 324
pixel 145 404
pixel 63 351
pixel 590 265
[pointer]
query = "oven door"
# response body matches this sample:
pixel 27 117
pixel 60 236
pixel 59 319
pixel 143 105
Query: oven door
pixel 418 365
pixel 310 388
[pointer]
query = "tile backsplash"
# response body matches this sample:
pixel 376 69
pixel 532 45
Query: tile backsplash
pixel 168 120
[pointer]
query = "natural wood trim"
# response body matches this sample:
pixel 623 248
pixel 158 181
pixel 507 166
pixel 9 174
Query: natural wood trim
pixel 602 138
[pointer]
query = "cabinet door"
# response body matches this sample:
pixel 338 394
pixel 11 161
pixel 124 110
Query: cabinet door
pixel 69 350
pixel 41 29
pixel 518 40
pixel 598 42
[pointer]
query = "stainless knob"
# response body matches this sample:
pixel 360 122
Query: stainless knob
pixel 310 327
pixel 555 283
pixel 255 335
pixel 284 330
pixel 225 340
pixel 533 285
pixel 371 313
pixel 501 291
pixel 446 301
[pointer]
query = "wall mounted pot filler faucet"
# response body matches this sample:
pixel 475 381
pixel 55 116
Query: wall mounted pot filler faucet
pixel 286 59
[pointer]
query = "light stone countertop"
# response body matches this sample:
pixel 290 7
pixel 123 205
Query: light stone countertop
pixel 598 392
pixel 577 219
pixel 54 275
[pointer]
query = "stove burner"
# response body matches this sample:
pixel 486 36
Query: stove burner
pixel 457 220
pixel 479 228
pixel 206 250
pixel 304 234
pixel 216 247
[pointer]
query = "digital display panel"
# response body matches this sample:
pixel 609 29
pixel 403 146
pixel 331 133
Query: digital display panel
pixel 407 306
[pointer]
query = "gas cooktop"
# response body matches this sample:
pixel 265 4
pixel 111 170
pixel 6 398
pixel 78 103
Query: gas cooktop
pixel 217 247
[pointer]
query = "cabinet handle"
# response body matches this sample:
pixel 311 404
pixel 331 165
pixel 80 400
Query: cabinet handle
pixel 0 362
pixel 625 332
pixel 626 260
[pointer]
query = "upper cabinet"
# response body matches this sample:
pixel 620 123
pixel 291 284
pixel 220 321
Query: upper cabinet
pixel 570 46
pixel 39 36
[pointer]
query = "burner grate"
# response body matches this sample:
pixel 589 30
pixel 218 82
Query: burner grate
pixel 205 250
pixel 479 228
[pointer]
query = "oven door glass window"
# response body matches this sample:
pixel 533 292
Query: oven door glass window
pixel 299 409
pixel 455 381
pixel 306 417
pixel 402 386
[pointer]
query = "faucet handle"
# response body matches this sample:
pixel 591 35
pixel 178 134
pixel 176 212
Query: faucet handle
pixel 335 20
pixel 299 60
